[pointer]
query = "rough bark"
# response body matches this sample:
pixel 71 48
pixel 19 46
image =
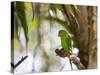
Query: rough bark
pixel 87 38
pixel 92 31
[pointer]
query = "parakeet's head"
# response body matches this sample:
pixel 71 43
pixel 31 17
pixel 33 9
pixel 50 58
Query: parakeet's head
pixel 62 33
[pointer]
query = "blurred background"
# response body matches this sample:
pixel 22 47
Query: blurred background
pixel 34 33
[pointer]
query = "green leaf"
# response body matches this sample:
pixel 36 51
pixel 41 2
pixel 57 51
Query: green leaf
pixel 20 10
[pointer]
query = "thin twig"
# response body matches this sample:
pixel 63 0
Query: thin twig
pixel 71 64
pixel 19 62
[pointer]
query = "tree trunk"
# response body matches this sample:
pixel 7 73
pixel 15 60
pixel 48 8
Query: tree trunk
pixel 87 37
pixel 92 30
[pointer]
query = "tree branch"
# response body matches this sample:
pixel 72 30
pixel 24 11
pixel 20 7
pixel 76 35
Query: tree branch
pixel 77 62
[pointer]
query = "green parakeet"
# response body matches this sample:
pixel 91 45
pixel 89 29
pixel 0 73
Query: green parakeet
pixel 65 40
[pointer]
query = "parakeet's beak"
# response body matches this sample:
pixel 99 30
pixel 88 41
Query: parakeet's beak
pixel 58 34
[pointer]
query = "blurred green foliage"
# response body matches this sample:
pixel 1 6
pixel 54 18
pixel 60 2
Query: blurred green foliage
pixel 28 17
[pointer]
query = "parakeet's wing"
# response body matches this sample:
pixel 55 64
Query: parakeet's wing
pixel 68 41
pixel 64 43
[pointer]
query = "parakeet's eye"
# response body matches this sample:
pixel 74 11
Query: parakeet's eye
pixel 60 33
